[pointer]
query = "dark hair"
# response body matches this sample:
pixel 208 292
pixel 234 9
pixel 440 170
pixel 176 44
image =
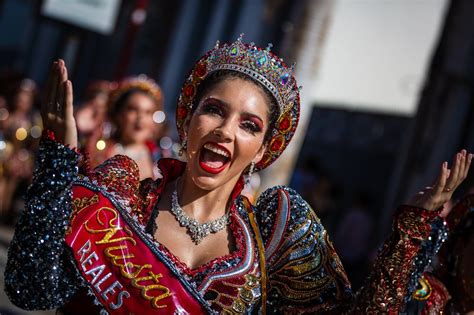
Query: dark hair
pixel 218 76
pixel 117 106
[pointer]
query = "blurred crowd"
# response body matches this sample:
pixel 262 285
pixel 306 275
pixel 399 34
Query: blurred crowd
pixel 124 117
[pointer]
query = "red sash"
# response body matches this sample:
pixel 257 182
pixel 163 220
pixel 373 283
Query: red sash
pixel 122 271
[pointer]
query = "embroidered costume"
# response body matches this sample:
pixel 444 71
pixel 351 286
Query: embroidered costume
pixel 449 286
pixel 50 258
pixel 94 231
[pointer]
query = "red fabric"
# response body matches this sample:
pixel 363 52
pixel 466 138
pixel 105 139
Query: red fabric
pixel 122 271
pixel 438 298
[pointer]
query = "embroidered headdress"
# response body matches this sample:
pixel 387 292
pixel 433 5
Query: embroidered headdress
pixel 141 83
pixel 262 66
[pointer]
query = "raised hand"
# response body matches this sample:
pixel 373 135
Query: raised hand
pixel 433 197
pixel 57 107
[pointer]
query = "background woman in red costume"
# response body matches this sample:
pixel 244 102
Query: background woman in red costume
pixel 237 112
pixel 130 129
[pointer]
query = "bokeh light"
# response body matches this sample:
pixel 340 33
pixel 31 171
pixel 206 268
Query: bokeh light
pixel 21 134
pixel 166 143
pixel 35 132
pixel 159 116
pixel 100 145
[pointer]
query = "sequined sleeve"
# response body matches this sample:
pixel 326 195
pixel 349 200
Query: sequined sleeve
pixel 39 272
pixel 306 275
pixel 304 271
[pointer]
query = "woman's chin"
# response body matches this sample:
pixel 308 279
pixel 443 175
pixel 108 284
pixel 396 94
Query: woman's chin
pixel 206 181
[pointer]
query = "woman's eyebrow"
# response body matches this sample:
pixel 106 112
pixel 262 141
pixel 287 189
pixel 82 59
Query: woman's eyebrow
pixel 249 114
pixel 222 102
pixel 227 105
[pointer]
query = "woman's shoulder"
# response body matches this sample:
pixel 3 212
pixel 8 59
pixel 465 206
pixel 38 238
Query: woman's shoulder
pixel 118 175
pixel 282 198
pixel 280 212
pixel 119 178
pixel 118 168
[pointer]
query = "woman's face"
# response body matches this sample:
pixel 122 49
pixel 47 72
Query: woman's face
pixel 226 132
pixel 135 119
pixel 24 101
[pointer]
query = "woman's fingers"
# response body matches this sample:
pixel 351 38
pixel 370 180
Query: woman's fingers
pixel 52 88
pixel 68 99
pixel 452 181
pixel 462 166
pixel 468 165
pixel 440 184
pixel 70 131
pixel 59 102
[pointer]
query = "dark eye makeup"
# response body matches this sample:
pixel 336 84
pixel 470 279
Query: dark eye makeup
pixel 249 122
pixel 212 106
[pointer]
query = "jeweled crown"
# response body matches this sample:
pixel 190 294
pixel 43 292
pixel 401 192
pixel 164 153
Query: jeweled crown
pixel 260 64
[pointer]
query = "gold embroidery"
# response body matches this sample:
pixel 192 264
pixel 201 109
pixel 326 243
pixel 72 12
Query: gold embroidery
pixel 156 286
pixel 128 269
pixel 424 292
pixel 111 230
pixel 79 204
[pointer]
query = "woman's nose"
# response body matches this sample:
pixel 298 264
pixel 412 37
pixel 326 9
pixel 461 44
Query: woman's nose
pixel 141 116
pixel 225 131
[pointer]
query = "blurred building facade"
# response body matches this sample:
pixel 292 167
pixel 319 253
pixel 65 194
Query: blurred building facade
pixel 163 43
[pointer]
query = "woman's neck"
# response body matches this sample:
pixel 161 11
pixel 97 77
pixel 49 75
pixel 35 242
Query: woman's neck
pixel 204 205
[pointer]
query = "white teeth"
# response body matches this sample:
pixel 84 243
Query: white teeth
pixel 216 150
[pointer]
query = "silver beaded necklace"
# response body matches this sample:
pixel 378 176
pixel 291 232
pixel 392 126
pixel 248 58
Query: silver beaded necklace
pixel 197 231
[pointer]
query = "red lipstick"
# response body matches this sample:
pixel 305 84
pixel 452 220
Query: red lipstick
pixel 210 156
pixel 212 170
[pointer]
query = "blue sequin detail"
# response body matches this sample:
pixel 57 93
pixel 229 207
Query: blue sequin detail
pixel 39 272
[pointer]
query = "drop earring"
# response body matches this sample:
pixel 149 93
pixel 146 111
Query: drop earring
pixel 184 146
pixel 249 173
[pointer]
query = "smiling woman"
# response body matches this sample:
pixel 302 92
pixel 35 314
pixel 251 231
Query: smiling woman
pixel 190 242
pixel 131 108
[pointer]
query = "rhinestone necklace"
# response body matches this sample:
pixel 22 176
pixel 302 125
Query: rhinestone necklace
pixel 197 231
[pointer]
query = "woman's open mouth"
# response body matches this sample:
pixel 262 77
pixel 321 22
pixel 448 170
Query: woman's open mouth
pixel 214 158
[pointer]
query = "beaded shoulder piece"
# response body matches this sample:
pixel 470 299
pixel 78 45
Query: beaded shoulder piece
pixel 262 66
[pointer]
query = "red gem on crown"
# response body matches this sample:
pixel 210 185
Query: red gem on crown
pixel 188 90
pixel 284 124
pixel 182 112
pixel 277 144
pixel 200 70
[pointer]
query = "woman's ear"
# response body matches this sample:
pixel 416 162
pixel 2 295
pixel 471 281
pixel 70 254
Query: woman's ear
pixel 260 154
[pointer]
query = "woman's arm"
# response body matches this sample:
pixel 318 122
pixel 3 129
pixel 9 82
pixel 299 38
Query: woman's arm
pixel 417 235
pixel 305 273
pixel 39 272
